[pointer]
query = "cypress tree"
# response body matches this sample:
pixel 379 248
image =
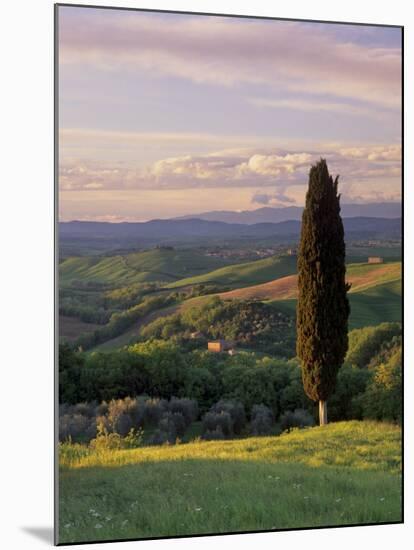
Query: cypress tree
pixel 323 307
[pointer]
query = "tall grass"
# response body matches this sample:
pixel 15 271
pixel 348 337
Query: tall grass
pixel 342 474
pixel 361 445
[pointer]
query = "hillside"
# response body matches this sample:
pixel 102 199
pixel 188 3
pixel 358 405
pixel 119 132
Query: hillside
pixel 245 274
pixel 375 296
pixel 369 307
pixel 361 276
pixel 160 264
pixel 342 474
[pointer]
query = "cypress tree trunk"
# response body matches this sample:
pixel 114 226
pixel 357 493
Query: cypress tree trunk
pixel 323 413
pixel 322 307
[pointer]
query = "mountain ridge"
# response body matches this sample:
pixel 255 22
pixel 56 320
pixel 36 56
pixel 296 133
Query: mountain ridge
pixel 278 214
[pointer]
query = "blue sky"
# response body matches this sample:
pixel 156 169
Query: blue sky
pixel 153 106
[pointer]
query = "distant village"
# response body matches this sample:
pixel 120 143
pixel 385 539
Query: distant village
pixel 248 253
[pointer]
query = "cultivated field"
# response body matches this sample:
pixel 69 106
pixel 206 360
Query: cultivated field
pixel 245 274
pixel 161 264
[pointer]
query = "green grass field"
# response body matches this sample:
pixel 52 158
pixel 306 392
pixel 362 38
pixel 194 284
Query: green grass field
pixel 342 474
pixel 370 306
pixel 152 265
pixel 245 274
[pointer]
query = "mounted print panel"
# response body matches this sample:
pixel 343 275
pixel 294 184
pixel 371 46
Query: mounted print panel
pixel 229 281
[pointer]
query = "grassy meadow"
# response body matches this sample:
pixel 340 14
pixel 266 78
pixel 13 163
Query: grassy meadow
pixel 342 474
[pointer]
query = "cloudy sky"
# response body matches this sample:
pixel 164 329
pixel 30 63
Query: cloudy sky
pixel 162 115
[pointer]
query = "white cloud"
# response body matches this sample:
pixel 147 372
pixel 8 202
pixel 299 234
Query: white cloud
pixel 273 173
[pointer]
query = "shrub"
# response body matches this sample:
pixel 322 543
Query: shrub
pixel 173 424
pixel 261 420
pixel 154 410
pixel 187 407
pixel 214 422
pixel 299 418
pixel 105 440
pixel 133 439
pixel 236 412
pixel 85 409
pixel 119 420
pixel 76 427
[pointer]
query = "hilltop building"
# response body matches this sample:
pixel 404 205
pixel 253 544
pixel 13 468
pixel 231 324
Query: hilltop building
pixel 375 260
pixel 219 346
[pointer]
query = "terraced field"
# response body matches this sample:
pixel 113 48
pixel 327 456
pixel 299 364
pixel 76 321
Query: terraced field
pixel 245 274
pixel 152 265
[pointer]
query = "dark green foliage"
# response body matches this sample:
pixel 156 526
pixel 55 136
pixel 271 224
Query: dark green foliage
pixel 351 382
pixel 322 308
pixel 299 418
pixel 70 369
pixel 106 376
pixel 166 367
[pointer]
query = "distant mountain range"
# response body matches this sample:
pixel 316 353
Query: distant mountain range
pixel 167 231
pixel 269 214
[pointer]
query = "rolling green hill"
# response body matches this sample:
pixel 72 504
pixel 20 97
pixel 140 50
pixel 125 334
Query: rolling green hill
pixel 159 264
pixel 370 306
pixel 245 274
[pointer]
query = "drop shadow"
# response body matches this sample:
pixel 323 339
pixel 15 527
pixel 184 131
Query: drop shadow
pixel 42 533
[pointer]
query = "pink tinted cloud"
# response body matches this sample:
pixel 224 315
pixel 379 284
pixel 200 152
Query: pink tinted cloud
pixel 222 51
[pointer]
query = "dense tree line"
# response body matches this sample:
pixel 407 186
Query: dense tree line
pixel 161 369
